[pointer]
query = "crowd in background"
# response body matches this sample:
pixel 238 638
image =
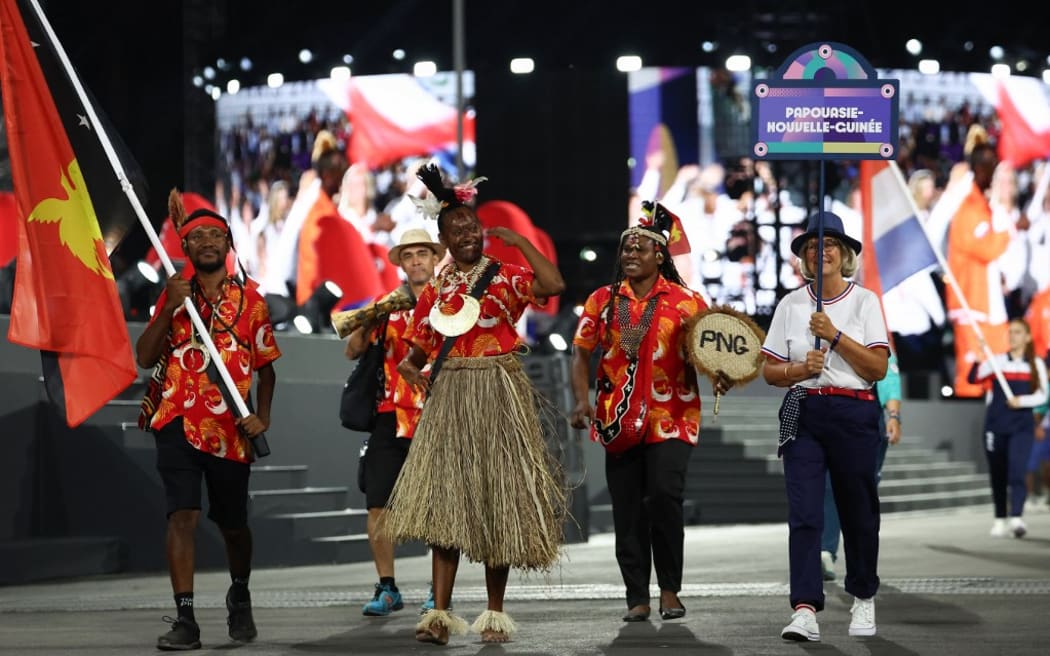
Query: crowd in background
pixel 740 217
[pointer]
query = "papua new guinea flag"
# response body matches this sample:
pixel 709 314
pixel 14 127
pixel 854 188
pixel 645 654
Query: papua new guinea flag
pixel 65 299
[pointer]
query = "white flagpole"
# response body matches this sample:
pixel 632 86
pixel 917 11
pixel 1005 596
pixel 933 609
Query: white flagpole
pixel 129 191
pixel 459 61
pixel 950 277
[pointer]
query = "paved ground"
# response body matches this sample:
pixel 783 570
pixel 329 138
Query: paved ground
pixel 948 589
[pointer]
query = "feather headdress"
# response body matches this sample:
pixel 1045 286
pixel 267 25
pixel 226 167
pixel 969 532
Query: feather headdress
pixel 176 210
pixel 443 198
pixel 656 223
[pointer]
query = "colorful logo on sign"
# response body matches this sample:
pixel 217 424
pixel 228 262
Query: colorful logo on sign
pixel 825 102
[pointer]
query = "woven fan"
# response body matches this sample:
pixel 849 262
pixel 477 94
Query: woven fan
pixel 723 339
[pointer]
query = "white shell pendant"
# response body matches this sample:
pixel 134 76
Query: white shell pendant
pixel 195 358
pixel 453 325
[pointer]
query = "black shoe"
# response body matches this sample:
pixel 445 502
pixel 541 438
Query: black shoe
pixel 637 614
pixel 242 626
pixel 672 613
pixel 184 635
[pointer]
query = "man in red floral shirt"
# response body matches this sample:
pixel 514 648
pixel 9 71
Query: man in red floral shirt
pixel 647 413
pixel 196 433
pixel 397 413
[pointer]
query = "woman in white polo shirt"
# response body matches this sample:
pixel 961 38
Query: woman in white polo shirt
pixel 829 356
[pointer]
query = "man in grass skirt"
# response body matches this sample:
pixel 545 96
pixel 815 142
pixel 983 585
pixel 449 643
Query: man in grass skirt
pixel 479 479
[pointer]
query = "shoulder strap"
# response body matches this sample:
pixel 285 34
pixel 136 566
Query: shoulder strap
pixel 381 332
pixel 476 292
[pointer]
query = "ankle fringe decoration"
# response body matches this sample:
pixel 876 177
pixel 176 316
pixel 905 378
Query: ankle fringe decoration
pixel 494 620
pixel 456 625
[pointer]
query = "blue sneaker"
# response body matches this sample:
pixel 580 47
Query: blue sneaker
pixel 386 599
pixel 428 605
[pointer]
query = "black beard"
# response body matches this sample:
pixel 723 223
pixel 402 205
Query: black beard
pixel 209 267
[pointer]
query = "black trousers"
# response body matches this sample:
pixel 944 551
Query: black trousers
pixel 646 484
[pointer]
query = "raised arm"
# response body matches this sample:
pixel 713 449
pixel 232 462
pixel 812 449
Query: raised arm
pixel 548 281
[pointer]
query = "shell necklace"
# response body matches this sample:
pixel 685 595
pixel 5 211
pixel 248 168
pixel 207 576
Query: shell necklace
pixel 196 357
pixel 443 317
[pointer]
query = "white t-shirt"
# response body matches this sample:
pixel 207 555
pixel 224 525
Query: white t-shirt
pixel 856 312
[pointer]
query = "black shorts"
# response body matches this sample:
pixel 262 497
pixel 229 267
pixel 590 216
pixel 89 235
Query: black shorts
pixel 383 460
pixel 182 468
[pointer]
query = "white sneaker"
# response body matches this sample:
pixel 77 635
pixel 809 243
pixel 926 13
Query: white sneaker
pixel 827 565
pixel 1035 503
pixel 863 622
pixel 999 529
pixel 1017 527
pixel 803 627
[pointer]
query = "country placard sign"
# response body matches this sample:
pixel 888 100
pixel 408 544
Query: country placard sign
pixel 825 102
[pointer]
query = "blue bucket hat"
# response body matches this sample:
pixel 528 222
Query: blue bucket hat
pixel 832 228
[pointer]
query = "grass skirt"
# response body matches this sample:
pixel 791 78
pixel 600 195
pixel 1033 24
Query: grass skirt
pixel 479 476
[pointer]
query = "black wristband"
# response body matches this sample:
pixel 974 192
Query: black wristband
pixel 835 342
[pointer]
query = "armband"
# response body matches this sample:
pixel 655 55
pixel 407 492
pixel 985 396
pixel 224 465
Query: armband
pixel 835 342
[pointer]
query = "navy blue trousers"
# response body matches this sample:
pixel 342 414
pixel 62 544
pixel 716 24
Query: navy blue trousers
pixel 1007 455
pixel 837 437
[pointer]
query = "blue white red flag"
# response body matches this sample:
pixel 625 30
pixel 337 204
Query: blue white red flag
pixel 894 239
pixel 897 254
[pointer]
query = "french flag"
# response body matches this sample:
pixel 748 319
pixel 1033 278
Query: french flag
pixel 896 248
pixel 1023 106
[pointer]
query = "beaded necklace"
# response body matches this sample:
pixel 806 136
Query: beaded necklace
pixel 452 324
pixel 452 276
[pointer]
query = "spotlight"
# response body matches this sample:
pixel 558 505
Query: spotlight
pixel 281 310
pixel 315 314
pixel 138 288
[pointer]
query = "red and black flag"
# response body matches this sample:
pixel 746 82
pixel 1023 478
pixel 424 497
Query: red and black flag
pixel 68 198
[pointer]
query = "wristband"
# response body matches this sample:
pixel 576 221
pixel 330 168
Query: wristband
pixel 835 342
pixel 893 414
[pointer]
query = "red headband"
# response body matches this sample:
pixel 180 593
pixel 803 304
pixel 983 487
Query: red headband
pixel 200 219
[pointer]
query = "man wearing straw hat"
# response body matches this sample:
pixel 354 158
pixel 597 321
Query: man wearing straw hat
pixel 479 479
pixel 398 411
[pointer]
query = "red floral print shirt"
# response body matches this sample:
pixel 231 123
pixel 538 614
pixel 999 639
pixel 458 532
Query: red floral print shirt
pixel 207 421
pixel 398 395
pixel 495 333
pixel 674 404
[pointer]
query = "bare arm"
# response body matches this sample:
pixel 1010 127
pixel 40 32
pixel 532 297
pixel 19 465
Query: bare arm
pixel 870 364
pixel 357 342
pixel 893 421
pixel 411 369
pixel 548 281
pixel 257 422
pixel 786 374
pixel 583 412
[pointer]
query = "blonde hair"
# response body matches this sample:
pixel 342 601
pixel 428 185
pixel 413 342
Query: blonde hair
pixel 324 142
pixel 849 260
